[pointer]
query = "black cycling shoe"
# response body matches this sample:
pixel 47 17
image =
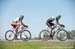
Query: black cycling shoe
pixel 16 37
pixel 51 35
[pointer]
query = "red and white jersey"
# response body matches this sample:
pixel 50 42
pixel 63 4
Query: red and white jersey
pixel 51 19
pixel 16 20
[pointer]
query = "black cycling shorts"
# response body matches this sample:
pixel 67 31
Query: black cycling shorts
pixel 49 24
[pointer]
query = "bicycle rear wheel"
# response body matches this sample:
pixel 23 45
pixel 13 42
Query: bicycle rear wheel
pixel 44 35
pixel 25 35
pixel 9 35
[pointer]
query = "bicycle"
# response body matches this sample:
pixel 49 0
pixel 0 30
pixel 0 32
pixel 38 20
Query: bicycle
pixel 25 34
pixel 60 33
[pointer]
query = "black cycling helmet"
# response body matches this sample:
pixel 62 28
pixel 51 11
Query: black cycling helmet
pixel 21 17
pixel 59 16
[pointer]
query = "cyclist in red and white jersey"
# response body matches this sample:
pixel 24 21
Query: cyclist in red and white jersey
pixel 52 23
pixel 17 23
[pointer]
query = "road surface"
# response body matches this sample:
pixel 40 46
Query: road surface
pixel 37 41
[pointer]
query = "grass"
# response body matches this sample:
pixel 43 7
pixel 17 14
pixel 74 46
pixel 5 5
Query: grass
pixel 37 45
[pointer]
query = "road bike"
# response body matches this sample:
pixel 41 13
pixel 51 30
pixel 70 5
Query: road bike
pixel 59 32
pixel 25 34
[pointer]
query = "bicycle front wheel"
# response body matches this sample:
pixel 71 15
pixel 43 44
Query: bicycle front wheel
pixel 62 35
pixel 9 35
pixel 25 35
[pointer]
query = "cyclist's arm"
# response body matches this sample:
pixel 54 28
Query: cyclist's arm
pixel 23 24
pixel 57 21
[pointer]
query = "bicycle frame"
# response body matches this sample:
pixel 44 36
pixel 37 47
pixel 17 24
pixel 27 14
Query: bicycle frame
pixel 57 30
pixel 19 31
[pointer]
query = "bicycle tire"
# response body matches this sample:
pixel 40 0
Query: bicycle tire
pixel 47 35
pixel 65 37
pixel 9 35
pixel 26 36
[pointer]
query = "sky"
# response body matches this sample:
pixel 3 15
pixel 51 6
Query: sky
pixel 36 12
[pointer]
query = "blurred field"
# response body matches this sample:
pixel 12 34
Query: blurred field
pixel 37 45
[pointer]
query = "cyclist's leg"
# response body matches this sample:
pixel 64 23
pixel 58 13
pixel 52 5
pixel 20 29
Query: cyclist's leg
pixel 50 24
pixel 16 30
pixel 52 28
pixel 14 27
